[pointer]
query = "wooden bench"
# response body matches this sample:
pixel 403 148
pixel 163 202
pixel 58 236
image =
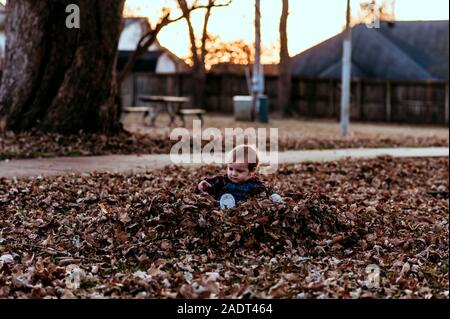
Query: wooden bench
pixel 183 113
pixel 135 109
pixel 148 110
pixel 145 110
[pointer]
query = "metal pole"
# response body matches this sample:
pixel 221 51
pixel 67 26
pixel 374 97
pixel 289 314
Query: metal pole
pixel 256 81
pixel 346 75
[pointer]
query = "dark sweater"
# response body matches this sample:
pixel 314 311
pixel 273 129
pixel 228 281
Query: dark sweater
pixel 222 185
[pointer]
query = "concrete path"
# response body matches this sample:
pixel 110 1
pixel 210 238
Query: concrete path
pixel 136 163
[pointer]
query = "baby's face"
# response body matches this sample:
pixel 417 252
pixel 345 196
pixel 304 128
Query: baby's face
pixel 238 172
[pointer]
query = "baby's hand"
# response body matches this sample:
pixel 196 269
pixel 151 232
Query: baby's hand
pixel 204 185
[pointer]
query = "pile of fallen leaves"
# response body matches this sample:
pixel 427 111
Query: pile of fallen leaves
pixel 151 236
pixel 37 144
pixel 294 142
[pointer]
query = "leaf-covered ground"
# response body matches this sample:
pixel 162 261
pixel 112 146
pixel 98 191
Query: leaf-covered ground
pixel 36 144
pixel 151 236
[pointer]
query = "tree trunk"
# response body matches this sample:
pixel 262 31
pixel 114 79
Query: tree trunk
pixel 198 58
pixel 198 73
pixel 199 78
pixel 56 78
pixel 284 80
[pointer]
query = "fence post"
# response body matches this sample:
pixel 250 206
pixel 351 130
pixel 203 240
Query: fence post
pixel 446 103
pixel 134 89
pixel 311 99
pixel 170 85
pixel 388 101
pixel 331 97
pixel 180 84
pixel 429 102
pixel 359 100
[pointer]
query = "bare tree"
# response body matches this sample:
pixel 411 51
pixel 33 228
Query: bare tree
pixel 284 79
pixel 58 78
pixel 199 53
pixel 373 11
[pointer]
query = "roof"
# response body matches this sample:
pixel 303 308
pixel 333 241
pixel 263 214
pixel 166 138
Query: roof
pixel 133 29
pixel 239 69
pixel 400 50
pixel 146 63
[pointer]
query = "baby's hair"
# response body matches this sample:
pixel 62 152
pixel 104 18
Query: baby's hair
pixel 245 154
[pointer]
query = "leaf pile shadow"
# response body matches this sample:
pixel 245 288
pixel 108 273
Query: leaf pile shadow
pixel 151 236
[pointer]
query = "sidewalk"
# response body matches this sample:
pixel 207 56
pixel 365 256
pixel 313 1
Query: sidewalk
pixel 136 163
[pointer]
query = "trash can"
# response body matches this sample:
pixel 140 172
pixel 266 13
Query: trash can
pixel 263 111
pixel 242 105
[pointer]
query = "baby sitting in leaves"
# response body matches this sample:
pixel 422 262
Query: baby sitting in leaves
pixel 240 181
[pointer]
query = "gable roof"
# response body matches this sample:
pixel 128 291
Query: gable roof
pixel 401 50
pixel 146 63
pixel 133 29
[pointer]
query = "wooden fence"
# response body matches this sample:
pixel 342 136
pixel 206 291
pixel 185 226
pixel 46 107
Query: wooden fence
pixel 406 102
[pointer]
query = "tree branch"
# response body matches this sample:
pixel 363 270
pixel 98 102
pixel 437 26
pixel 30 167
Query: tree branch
pixel 205 35
pixel 186 13
pixel 199 61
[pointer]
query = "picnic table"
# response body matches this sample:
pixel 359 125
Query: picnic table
pixel 169 104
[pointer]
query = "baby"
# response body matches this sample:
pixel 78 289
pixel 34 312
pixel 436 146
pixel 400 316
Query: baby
pixel 240 182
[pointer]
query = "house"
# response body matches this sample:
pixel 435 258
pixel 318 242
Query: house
pixel 400 50
pixel 399 73
pixel 157 60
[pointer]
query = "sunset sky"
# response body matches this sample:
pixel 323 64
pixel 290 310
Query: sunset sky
pixel 310 22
